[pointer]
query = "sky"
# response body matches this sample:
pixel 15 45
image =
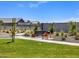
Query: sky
pixel 43 11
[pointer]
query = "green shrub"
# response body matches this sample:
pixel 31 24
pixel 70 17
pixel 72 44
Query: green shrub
pixel 73 28
pixel 57 34
pixel 7 31
pixel 63 38
pixel 65 35
pixel 77 37
pixel 62 33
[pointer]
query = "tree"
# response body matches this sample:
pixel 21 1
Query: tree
pixel 73 28
pixel 1 24
pixel 42 26
pixel 36 25
pixel 13 28
pixel 51 29
pixel 35 29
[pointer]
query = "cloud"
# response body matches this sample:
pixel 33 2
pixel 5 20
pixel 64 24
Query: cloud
pixel 66 20
pixel 20 5
pixel 75 19
pixel 71 19
pixel 42 2
pixel 32 5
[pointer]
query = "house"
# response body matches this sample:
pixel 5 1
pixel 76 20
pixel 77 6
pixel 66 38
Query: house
pixel 29 25
pixel 20 24
pixel 58 27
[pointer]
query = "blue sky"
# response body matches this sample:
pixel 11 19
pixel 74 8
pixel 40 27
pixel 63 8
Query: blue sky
pixel 43 11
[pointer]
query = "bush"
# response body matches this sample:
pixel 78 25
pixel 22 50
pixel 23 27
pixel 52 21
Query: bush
pixel 73 28
pixel 65 35
pixel 21 31
pixel 62 33
pixel 63 38
pixel 77 37
pixel 7 31
pixel 57 34
pixel 28 33
pixel 3 31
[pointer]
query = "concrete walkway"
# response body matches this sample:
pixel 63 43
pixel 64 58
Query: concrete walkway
pixel 49 41
pixel 20 36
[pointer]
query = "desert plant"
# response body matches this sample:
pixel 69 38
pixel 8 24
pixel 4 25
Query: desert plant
pixel 51 28
pixel 35 29
pixel 57 34
pixel 7 31
pixel 63 38
pixel 65 35
pixel 77 36
pixel 29 33
pixel 1 24
pixel 62 33
pixel 73 28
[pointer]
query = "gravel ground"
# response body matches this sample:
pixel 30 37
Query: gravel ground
pixel 68 39
pixel 53 38
pixel 5 35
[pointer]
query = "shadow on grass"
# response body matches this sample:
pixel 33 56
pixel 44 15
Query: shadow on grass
pixel 6 43
pixel 9 42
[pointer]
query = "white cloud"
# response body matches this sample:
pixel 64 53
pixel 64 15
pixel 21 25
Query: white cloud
pixel 20 5
pixel 42 2
pixel 75 19
pixel 66 20
pixel 71 19
pixel 31 5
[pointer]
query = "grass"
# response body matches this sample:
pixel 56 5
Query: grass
pixel 33 49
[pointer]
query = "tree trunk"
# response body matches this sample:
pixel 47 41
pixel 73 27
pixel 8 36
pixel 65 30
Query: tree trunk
pixel 13 29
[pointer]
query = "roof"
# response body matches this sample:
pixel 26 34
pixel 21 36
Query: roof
pixel 35 22
pixel 9 20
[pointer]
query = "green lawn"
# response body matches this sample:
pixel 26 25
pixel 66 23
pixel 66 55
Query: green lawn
pixel 30 49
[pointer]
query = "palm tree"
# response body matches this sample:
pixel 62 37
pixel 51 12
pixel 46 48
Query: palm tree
pixel 13 28
pixel 73 28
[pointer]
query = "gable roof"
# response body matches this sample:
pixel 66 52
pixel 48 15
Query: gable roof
pixel 20 20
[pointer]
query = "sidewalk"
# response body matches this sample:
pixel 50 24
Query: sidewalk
pixel 49 41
